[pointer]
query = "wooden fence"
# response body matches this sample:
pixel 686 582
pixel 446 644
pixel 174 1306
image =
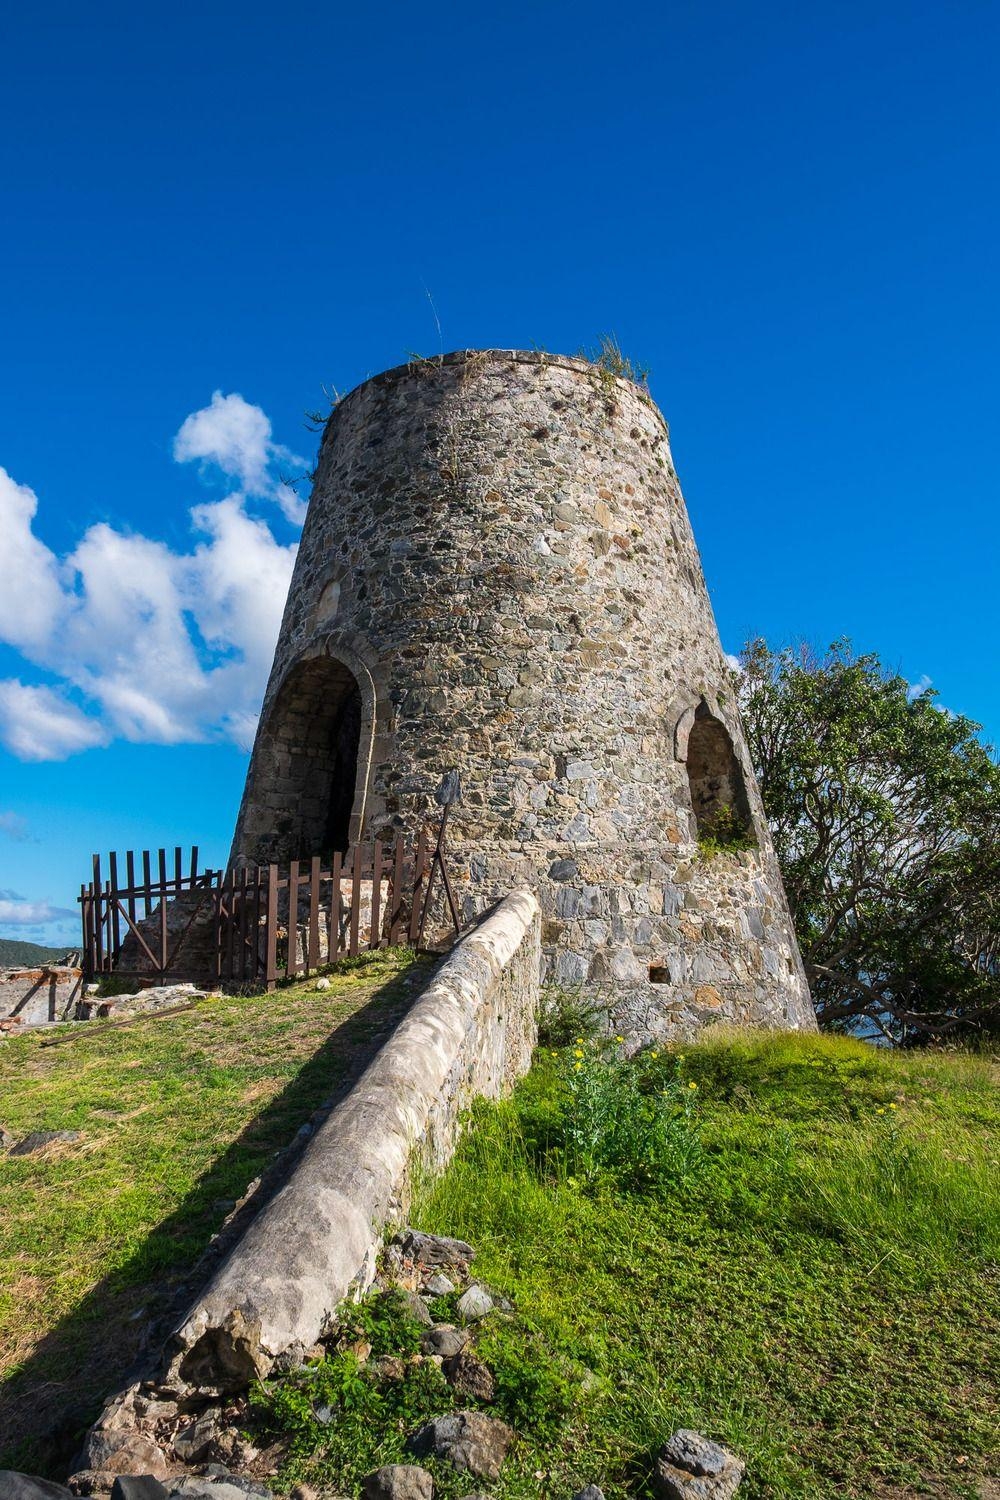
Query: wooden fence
pixel 250 926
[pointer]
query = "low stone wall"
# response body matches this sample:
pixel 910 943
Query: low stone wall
pixel 471 1032
pixel 39 996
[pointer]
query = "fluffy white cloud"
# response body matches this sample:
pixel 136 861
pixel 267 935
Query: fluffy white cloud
pixel 915 689
pixel 37 723
pixel 16 912
pixel 31 598
pixel 148 644
pixel 236 437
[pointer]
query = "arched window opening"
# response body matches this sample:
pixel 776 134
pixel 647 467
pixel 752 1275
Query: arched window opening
pixel 307 761
pixel 718 790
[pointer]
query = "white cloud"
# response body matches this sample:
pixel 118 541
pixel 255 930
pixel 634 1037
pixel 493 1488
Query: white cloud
pixel 16 912
pixel 148 644
pixel 39 724
pixel 733 663
pixel 31 598
pixel 14 827
pixel 921 685
pixel 236 438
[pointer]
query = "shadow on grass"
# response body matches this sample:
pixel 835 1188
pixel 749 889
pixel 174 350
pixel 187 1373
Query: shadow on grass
pixel 116 1330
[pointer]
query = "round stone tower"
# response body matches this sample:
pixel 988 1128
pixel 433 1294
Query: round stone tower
pixel 497 576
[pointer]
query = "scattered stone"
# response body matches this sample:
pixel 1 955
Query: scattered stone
pixel 438 1286
pixel 589 1492
pixel 232 1487
pixel 138 1487
pixel 416 1307
pixel 41 1138
pixel 7 1143
pixel 434 1249
pixel 390 1367
pixel 398 1482
pixel 192 1443
pixel 474 1303
pixel 467 1440
pixel 120 1451
pixel 444 1339
pixel 692 1467
pixel 324 983
pixel 26 1487
pixel 466 1373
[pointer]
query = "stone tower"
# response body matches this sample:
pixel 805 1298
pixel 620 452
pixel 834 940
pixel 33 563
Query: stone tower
pixel 497 575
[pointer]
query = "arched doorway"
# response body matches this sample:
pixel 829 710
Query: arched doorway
pixel 717 785
pixel 308 782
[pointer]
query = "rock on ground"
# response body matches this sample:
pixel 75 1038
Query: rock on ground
pixel 467 1440
pixel 398 1482
pixel 469 1376
pixel 434 1249
pixel 38 1139
pixel 474 1303
pixel 589 1492
pixel 15 1486
pixel 138 1487
pixel 444 1339
pixel 692 1467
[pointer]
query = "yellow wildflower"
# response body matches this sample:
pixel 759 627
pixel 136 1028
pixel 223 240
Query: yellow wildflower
pixel 654 1054
pixel 880 1111
pixel 577 1052
pixel 619 1038
pixel 577 1067
pixel 892 1106
pixel 692 1085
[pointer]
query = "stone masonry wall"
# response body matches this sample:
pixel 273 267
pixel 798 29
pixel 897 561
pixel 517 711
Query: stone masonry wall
pixel 498 550
pixel 36 997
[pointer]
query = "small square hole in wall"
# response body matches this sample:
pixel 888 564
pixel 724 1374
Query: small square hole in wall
pixel 659 974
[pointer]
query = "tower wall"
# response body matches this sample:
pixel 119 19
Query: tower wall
pixel 498 553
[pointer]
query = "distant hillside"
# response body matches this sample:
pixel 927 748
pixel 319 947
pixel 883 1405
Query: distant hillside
pixel 13 952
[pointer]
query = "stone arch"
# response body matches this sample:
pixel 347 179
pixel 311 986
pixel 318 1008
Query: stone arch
pixel 312 760
pixel 716 782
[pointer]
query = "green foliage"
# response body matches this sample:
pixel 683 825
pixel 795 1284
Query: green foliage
pixel 631 1118
pixel 110 985
pixel 537 1391
pixel 885 813
pixel 385 1322
pixel 724 833
pixel 14 952
pixel 567 1011
pixel 337 1420
pixel 821 1295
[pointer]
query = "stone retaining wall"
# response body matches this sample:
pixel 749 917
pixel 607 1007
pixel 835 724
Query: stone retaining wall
pixel 471 1033
pixel 36 997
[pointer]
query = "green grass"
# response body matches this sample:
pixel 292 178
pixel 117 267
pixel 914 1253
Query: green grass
pixel 821 1290
pixel 176 1117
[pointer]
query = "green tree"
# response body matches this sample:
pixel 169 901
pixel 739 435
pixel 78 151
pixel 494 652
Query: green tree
pixel 885 812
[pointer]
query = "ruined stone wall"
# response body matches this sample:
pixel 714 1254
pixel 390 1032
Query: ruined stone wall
pixel 38 996
pixel 498 551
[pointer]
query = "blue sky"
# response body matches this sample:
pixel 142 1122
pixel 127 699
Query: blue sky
pixel 788 212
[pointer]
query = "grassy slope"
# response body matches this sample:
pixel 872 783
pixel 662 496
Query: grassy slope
pixel 825 1296
pixel 176 1117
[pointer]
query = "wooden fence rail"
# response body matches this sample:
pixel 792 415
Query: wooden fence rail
pixel 248 926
